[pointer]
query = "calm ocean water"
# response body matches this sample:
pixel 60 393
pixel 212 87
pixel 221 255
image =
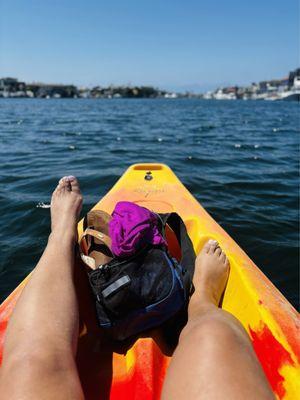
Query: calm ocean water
pixel 240 160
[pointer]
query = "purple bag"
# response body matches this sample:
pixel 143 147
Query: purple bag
pixel 133 227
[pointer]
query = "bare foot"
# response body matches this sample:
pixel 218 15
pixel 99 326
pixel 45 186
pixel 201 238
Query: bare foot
pixel 66 203
pixel 211 274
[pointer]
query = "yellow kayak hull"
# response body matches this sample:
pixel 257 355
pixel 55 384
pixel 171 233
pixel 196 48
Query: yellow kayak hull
pixel 137 370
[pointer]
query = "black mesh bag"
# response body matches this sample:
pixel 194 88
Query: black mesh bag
pixel 144 291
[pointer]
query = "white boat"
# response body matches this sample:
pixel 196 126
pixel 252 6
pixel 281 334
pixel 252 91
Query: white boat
pixel 220 95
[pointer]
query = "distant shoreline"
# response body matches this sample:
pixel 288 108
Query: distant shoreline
pixel 276 89
pixel 187 98
pixel 200 98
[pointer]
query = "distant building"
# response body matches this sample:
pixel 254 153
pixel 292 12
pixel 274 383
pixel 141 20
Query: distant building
pixel 55 91
pixel 292 75
pixel 11 85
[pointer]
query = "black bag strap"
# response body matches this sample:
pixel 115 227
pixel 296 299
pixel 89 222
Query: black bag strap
pixel 188 255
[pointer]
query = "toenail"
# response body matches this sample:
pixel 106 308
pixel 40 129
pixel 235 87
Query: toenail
pixel 211 241
pixel 67 178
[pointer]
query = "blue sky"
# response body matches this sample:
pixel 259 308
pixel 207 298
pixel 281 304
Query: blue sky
pixel 186 44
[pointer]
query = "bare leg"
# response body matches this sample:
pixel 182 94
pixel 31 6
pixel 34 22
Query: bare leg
pixel 41 338
pixel 214 358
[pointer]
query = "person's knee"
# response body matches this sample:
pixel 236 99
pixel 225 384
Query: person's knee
pixel 36 359
pixel 219 328
pixel 37 369
pixel 39 376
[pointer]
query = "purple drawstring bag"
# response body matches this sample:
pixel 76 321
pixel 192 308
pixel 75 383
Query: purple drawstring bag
pixel 131 228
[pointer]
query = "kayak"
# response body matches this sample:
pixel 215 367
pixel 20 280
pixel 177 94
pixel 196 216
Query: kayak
pixel 136 369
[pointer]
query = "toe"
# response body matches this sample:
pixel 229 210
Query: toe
pixel 63 181
pixel 206 247
pixel 223 257
pixel 218 251
pixel 74 184
pixel 58 188
pixel 64 184
pixel 213 245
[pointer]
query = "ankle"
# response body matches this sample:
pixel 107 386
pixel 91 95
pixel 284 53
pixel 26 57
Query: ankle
pixel 201 302
pixel 205 294
pixel 63 236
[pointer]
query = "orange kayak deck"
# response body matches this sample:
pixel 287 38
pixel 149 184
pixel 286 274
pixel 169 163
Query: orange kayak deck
pixel 137 370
